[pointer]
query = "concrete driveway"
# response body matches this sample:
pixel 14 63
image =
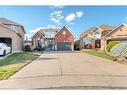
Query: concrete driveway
pixel 70 70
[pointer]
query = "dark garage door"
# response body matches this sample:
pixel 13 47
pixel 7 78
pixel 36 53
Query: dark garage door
pixel 8 41
pixel 64 46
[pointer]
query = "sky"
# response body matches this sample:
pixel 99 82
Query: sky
pixel 76 18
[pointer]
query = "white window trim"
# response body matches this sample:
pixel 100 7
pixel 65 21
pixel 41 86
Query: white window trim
pixel 99 34
pixel 14 28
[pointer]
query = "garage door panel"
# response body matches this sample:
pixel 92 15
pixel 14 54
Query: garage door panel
pixel 64 46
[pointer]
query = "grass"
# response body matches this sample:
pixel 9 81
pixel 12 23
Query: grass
pixel 99 54
pixel 14 62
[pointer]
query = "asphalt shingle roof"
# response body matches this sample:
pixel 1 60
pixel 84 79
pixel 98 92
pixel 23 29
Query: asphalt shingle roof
pixel 6 21
pixel 87 31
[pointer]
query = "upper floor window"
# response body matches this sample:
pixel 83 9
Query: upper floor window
pixel 14 28
pixel 50 34
pixel 97 35
pixel 86 40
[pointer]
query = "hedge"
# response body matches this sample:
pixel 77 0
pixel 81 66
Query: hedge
pixel 120 50
pixel 111 44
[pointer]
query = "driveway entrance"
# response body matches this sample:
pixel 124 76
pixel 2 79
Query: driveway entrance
pixel 69 70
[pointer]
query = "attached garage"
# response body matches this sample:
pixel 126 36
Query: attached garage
pixel 64 46
pixel 11 38
pixel 8 41
pixel 12 34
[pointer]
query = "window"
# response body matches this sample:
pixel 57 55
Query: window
pixel 86 40
pixel 97 35
pixel 49 34
pixel 14 28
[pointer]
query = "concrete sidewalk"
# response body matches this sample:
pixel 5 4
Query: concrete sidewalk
pixel 69 70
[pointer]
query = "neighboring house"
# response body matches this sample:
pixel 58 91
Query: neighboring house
pixel 28 42
pixel 99 37
pixel 45 38
pixel 12 34
pixel 95 37
pixel 53 39
pixel 117 34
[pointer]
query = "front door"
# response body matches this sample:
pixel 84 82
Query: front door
pixel 97 43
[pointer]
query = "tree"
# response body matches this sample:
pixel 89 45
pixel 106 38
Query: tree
pixel 76 45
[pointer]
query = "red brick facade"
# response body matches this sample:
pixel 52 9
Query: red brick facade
pixel 63 40
pixel 36 36
pixel 64 35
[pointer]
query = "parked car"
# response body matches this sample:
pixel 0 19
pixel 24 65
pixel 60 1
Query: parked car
pixel 4 49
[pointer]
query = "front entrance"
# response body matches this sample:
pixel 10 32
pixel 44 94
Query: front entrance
pixel 97 43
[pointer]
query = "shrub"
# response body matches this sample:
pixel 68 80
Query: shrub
pixel 111 44
pixel 39 47
pixel 120 50
pixel 88 46
pixel 76 45
pixel 28 48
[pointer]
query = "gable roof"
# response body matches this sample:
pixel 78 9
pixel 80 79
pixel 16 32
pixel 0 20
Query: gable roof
pixel 6 21
pixel 87 31
pixel 47 30
pixel 61 29
pixel 10 29
pixel 41 31
pixel 123 24
pixel 105 32
pixel 106 29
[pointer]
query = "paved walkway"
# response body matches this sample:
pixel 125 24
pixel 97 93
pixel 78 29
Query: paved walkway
pixel 70 70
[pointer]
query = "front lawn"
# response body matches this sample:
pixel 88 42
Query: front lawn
pixel 12 63
pixel 99 54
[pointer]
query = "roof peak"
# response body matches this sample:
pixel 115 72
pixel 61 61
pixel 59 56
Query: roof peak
pixel 124 24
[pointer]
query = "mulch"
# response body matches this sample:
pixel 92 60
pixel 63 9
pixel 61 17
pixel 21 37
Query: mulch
pixel 122 62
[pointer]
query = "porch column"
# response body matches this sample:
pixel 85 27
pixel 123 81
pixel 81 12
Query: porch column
pixel 56 46
pixel 81 43
pixel 105 44
pixel 72 46
pixel 93 43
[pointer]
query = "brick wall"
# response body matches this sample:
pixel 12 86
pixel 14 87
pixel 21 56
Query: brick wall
pixel 61 37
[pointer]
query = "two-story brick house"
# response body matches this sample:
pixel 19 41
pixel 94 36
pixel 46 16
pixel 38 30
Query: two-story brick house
pixel 64 40
pixel 54 39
